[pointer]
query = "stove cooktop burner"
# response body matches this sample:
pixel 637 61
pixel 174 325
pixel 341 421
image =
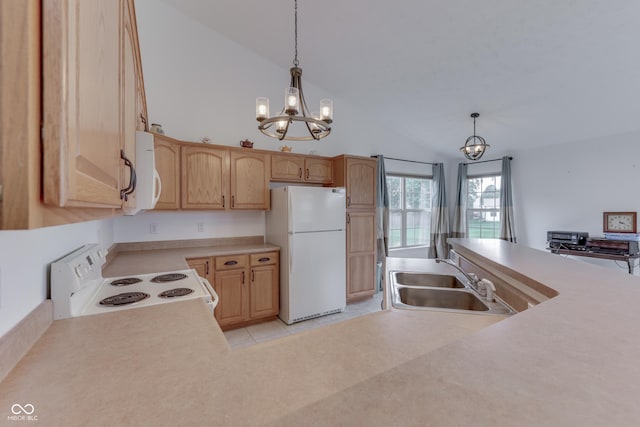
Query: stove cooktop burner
pixel 124 299
pixel 126 281
pixel 169 277
pixel 177 292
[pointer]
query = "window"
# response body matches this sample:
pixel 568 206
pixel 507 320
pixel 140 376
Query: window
pixel 409 211
pixel 483 206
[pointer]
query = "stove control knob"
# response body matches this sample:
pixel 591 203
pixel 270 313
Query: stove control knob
pixel 79 271
pixel 102 253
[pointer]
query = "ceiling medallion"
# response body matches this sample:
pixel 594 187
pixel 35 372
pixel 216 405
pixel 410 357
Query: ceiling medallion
pixel 295 108
pixel 475 146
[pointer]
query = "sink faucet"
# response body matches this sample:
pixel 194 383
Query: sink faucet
pixel 484 287
pixel 472 278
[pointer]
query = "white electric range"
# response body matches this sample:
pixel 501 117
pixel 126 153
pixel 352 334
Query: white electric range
pixel 78 288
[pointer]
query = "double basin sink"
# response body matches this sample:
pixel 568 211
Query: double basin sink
pixel 440 292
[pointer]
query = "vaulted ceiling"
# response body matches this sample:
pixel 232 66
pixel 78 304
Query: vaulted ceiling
pixel 538 72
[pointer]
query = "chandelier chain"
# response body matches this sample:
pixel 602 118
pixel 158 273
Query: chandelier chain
pixel 295 32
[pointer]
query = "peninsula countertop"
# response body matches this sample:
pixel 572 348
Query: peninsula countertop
pixel 568 361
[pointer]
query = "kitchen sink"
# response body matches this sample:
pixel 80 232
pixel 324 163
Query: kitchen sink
pixel 441 292
pixel 427 279
pixel 441 298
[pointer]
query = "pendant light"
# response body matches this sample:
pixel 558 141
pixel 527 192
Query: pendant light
pixel 295 108
pixel 475 146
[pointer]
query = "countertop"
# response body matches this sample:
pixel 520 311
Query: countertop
pixel 156 260
pixel 568 361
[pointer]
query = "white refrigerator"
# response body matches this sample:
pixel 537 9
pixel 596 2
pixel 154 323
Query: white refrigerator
pixel 308 223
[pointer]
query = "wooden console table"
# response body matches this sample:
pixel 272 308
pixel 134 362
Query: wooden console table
pixel 629 259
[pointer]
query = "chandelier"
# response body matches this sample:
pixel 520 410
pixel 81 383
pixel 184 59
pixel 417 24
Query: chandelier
pixel 295 108
pixel 475 145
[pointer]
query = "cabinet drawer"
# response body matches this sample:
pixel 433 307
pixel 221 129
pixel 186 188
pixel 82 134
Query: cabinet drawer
pixel 231 262
pixel 264 259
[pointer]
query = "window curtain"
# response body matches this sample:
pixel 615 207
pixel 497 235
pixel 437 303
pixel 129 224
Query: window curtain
pixel 382 220
pixel 438 247
pixel 459 228
pixel 507 226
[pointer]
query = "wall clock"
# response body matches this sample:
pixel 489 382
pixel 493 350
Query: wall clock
pixel 619 222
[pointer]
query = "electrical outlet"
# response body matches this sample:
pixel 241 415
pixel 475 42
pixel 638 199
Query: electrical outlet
pixel 153 228
pixel 201 227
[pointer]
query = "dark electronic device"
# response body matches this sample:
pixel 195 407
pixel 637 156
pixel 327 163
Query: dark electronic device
pixel 575 240
pixel 613 247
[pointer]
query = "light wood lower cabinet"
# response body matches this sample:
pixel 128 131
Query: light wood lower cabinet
pixel 264 292
pixel 248 287
pixel 361 254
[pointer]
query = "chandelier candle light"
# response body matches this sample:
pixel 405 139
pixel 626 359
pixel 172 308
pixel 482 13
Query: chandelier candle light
pixel 295 108
pixel 475 146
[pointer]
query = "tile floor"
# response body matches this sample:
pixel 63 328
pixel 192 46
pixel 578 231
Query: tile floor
pixel 267 331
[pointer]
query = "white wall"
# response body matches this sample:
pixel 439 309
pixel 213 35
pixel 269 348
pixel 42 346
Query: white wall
pixel 199 83
pixel 184 225
pixel 24 256
pixel 569 186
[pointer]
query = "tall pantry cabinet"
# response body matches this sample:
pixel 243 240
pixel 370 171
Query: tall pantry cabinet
pixel 358 176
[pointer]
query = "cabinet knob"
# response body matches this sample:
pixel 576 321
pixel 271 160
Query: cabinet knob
pixel 233 201
pixel 253 275
pixel 300 173
pixel 232 262
pixel 223 200
pixel 264 259
pixel 348 200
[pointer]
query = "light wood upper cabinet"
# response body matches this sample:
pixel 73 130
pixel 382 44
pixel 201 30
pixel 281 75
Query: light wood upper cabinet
pixel 358 176
pixel 287 168
pixel 318 170
pixel 82 102
pixel 249 180
pixel 167 156
pixel 204 177
pixel 129 97
pixel 297 168
pixel 361 183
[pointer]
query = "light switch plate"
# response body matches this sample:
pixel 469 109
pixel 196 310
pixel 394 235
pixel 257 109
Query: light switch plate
pixel 153 228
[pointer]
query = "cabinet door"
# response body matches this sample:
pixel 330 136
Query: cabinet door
pixel 167 157
pixel 249 180
pixel 287 168
pixel 361 254
pixel 201 265
pixel 232 293
pixel 361 183
pixel 264 291
pixel 204 178
pixel 360 276
pixel 129 95
pixel 81 103
pixel 318 170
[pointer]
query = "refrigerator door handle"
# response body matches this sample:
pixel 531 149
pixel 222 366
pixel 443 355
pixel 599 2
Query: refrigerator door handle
pixel 291 251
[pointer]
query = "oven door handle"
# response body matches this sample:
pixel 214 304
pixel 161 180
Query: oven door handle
pixel 214 296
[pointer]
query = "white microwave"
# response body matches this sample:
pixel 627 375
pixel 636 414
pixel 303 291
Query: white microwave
pixel 148 184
